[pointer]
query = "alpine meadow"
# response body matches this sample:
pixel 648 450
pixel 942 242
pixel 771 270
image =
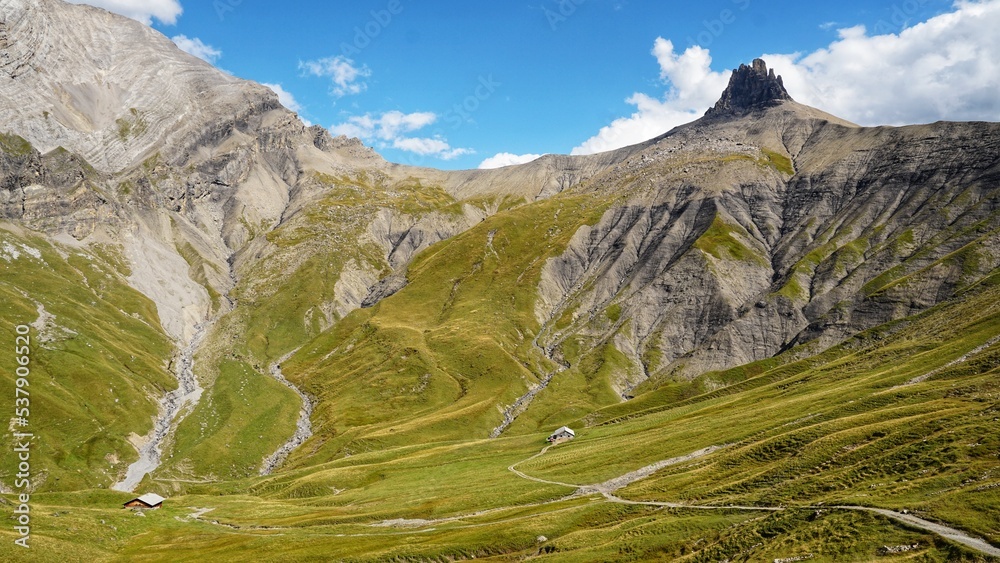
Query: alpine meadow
pixel 771 334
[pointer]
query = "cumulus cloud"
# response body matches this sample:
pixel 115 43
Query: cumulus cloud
pixel 288 100
pixel 507 159
pixel 284 96
pixel 692 88
pixel 945 68
pixel 429 146
pixel 195 46
pixel 347 77
pixel 166 11
pixel 391 130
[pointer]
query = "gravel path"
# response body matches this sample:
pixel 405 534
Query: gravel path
pixel 513 470
pixel 608 488
pixel 952 534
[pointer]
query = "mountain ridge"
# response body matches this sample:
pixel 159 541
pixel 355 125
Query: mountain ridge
pixel 767 258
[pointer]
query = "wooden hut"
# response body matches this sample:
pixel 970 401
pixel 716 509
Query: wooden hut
pixel 564 433
pixel 148 500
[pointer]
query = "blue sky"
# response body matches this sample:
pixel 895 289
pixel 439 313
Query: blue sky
pixel 452 84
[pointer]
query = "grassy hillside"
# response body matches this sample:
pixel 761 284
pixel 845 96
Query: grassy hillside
pixel 285 297
pixel 846 427
pixel 98 360
pixel 436 360
pixel 773 460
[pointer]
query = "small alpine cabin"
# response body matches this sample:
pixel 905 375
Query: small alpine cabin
pixel 148 500
pixel 564 433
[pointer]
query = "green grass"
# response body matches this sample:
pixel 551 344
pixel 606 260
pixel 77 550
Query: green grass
pixel 407 391
pixel 97 369
pixel 281 307
pixel 829 429
pixel 728 242
pixel 245 413
pixel 15 145
pixel 779 162
pixel 433 361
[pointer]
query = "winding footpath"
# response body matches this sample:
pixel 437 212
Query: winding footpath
pixel 303 428
pixel 173 407
pixel 608 488
pixel 952 534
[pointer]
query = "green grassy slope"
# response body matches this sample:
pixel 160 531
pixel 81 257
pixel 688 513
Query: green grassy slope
pixel 282 300
pixel 840 428
pixel 435 360
pixel 98 360
pixel 903 416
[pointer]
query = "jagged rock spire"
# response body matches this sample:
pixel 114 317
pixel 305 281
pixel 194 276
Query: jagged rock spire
pixel 750 87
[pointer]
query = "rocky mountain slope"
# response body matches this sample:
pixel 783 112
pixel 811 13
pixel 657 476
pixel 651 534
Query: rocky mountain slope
pixel 772 226
pixel 157 214
pixel 199 179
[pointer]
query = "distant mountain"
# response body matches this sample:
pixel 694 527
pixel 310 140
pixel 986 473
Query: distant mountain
pixel 158 214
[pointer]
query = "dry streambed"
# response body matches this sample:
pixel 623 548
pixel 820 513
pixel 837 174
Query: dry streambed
pixel 303 427
pixel 173 407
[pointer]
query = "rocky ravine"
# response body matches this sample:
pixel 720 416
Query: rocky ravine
pixel 303 427
pixel 173 407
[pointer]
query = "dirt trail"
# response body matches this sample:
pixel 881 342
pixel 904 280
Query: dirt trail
pixel 536 479
pixel 607 489
pixel 961 359
pixel 173 407
pixel 612 485
pixel 303 428
pixel 952 534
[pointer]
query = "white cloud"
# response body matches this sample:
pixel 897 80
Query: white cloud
pixel 195 46
pixel 167 11
pixel 288 100
pixel 386 127
pixel 284 96
pixel 693 88
pixel 346 76
pixel 507 159
pixel 947 68
pixel 425 146
pixel 392 129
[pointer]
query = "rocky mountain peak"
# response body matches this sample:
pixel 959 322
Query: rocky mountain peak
pixel 750 88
